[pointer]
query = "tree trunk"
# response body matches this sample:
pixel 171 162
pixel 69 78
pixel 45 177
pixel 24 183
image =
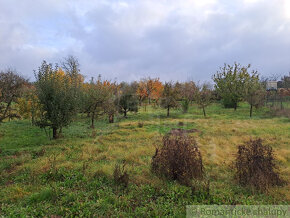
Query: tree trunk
pixel 54 133
pixel 125 113
pixel 93 116
pixel 93 120
pixel 168 108
pixel 203 109
pixel 32 118
pixel 5 112
pixel 251 110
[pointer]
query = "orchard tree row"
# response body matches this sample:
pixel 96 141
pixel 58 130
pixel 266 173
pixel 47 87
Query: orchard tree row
pixel 59 93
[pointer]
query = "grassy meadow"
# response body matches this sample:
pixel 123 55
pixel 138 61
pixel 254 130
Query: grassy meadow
pixel 73 175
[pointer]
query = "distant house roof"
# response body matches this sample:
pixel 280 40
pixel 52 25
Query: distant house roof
pixel 271 85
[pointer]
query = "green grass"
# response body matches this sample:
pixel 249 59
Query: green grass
pixel 72 176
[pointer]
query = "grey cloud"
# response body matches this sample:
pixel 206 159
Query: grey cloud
pixel 128 40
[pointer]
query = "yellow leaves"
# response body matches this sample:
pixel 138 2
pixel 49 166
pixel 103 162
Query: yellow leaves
pixel 24 107
pixel 60 73
pixel 59 77
pixel 29 105
pixel 141 91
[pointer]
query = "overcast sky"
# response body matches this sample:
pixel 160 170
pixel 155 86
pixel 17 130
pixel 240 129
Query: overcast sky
pixel 131 39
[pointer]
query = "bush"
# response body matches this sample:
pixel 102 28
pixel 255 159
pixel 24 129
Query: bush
pixel 140 124
pixel 228 102
pixel 178 159
pixel 255 166
pixel 121 176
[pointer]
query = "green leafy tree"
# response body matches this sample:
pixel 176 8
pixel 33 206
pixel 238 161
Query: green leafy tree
pixel 58 93
pixel 126 98
pixel 169 97
pixel 230 84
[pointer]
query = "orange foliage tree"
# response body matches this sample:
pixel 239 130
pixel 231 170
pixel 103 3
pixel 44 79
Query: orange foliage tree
pixel 150 89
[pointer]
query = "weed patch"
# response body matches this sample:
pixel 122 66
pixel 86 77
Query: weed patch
pixel 178 159
pixel 255 166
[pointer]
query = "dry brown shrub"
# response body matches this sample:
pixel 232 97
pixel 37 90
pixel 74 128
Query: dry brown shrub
pixel 178 159
pixel 255 166
pixel 140 124
pixel 180 123
pixel 94 133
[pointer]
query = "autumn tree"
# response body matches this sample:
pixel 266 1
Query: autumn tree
pixel 11 86
pixel 126 99
pixel 169 98
pixel 150 89
pixel 203 96
pixel 157 90
pixel 230 83
pixel 28 104
pixel 141 92
pixel 58 93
